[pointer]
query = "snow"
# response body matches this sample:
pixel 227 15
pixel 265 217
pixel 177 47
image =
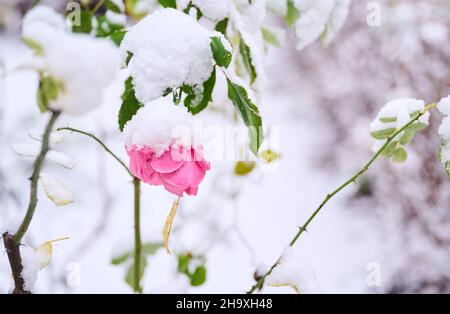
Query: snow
pixel 116 18
pixel 42 15
pixel 215 10
pixel 94 63
pixel 293 271
pixel 277 6
pixel 31 265
pixel 26 149
pixel 157 125
pixel 444 106
pixel 336 20
pixel 61 159
pixel 169 49
pixel 57 192
pixel 313 18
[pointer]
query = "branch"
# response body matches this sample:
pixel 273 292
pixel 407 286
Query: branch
pixel 365 168
pixel 35 178
pixel 101 143
pixel 15 260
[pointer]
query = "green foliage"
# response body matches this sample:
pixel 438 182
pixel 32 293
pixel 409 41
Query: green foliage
pixel 37 48
pixel 186 262
pixel 130 104
pixel 221 55
pixel 243 168
pixel 292 13
pixel 221 26
pixel 148 249
pixel 249 113
pixel 106 28
pixel 168 3
pixel 118 36
pixel 47 92
pixel 110 5
pixel 442 147
pixel 246 55
pixel 270 37
pixel 85 25
pixel 198 99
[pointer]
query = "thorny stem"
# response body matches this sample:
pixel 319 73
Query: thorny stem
pixel 137 206
pixel 101 143
pixel 137 235
pixel 329 196
pixel 34 179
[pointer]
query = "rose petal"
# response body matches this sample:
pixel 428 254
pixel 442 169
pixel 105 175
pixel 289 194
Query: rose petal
pixel 165 163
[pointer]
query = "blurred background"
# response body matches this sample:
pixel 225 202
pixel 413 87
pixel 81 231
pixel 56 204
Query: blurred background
pixel 393 224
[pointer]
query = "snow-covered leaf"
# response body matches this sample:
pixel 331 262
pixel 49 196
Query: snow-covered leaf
pixel 221 55
pixel 130 104
pixel 294 272
pixel 61 159
pixel 26 149
pixel 57 192
pixel 246 55
pixel 198 99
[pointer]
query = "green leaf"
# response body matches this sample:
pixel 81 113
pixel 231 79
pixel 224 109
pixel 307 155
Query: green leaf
pixel 110 5
pixel 129 276
pixel 199 276
pixel 221 55
pixel 183 263
pixel 249 113
pixel 168 3
pixel 198 99
pixel 221 26
pixel 417 126
pixel 243 168
pixel 269 155
pixel 407 136
pixel 245 52
pixel 388 119
pixel 383 134
pixel 130 104
pixel 38 49
pixel 85 23
pixel 292 13
pixel 270 37
pixel 47 91
pixel 118 36
pixel 151 248
pixel 106 28
pixel 400 155
pixel 121 258
pixel 389 150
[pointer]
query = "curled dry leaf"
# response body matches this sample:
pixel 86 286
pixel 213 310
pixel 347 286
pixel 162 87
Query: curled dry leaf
pixel 55 190
pixel 168 225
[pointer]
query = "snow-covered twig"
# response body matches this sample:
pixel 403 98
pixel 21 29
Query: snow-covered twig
pixel 259 284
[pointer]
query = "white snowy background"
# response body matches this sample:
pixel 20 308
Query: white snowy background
pixel 322 106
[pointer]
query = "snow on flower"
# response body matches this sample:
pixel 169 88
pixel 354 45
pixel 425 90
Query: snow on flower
pixel 79 65
pixel 163 148
pixel 294 272
pixel 169 49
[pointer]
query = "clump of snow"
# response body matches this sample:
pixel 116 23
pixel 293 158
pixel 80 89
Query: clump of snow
pixel 444 106
pixel 277 6
pixel 57 192
pixel 31 265
pixel 44 16
pixel 316 18
pixel 160 124
pixel 214 9
pixel 398 112
pixel 444 129
pixel 169 49
pixel 82 65
pixel 26 149
pixel 336 21
pixel 61 159
pixel 294 272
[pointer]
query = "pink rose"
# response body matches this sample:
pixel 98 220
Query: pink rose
pixel 179 170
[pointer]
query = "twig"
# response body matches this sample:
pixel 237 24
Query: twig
pixel 101 143
pixel 137 235
pixel 366 167
pixel 15 261
pixel 34 180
